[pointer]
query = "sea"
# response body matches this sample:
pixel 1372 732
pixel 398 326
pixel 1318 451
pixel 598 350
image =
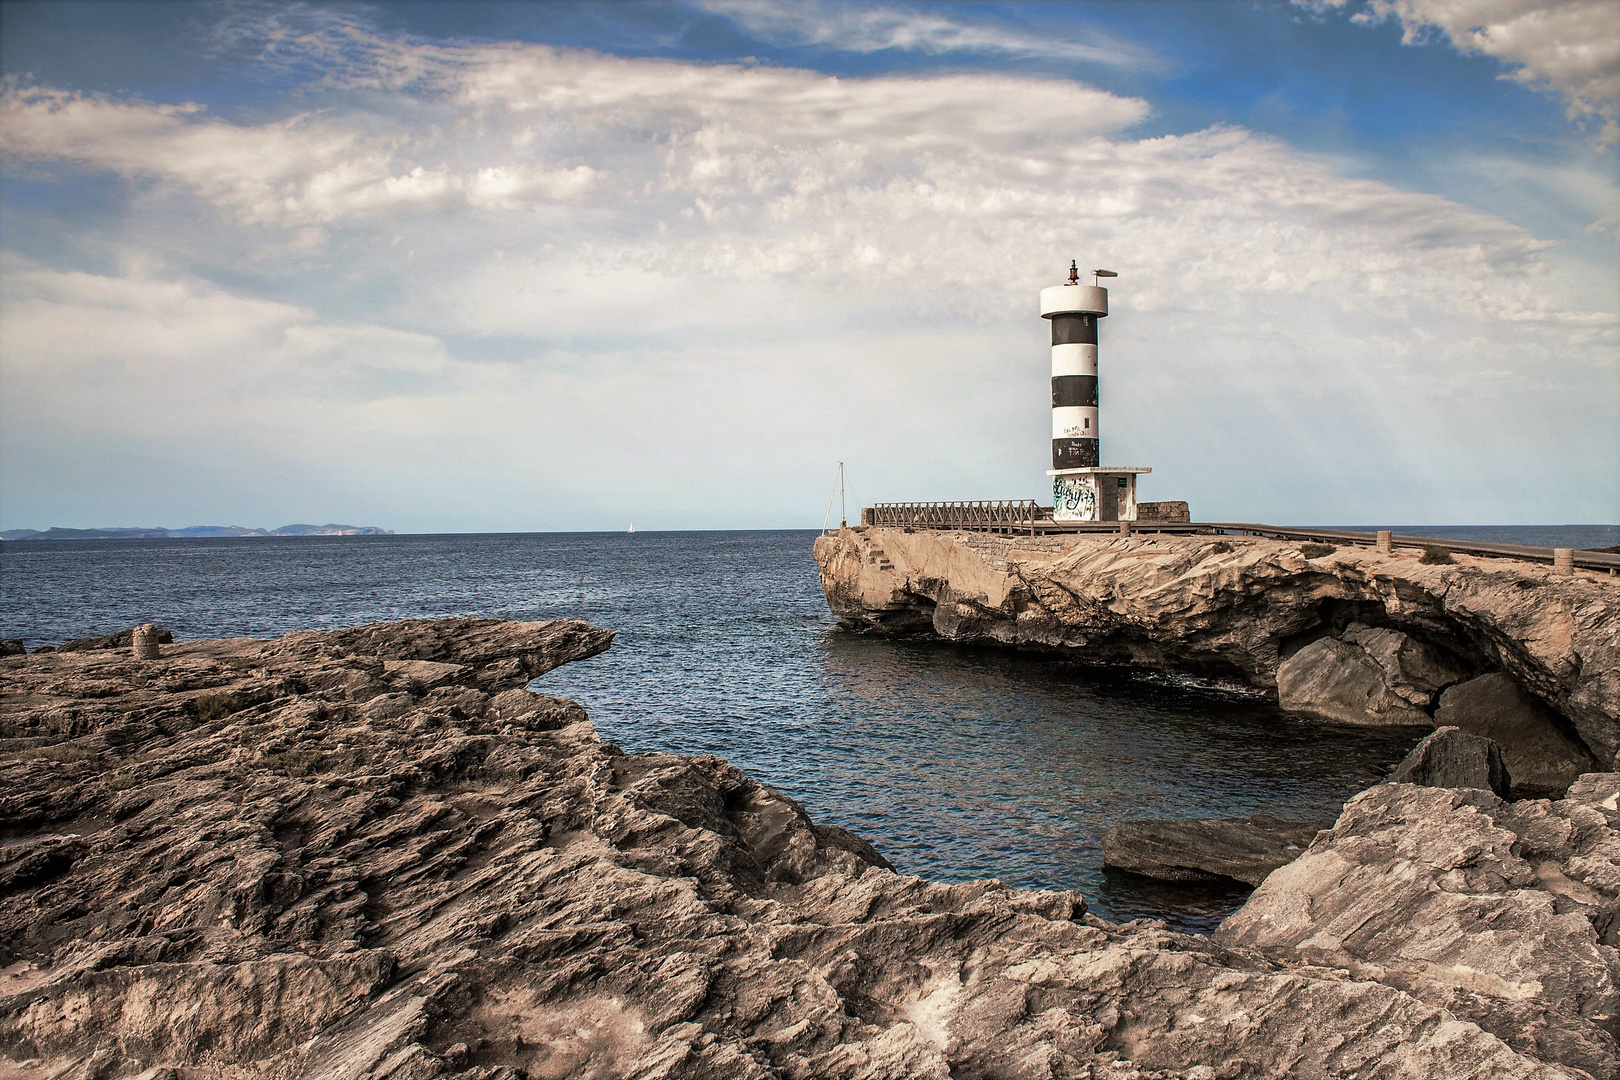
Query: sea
pixel 956 763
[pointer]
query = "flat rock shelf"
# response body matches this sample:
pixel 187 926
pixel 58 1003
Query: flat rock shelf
pixel 372 853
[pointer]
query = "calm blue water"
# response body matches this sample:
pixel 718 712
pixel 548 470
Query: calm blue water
pixel 955 763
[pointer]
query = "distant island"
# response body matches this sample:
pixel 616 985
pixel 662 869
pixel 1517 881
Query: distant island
pixel 192 532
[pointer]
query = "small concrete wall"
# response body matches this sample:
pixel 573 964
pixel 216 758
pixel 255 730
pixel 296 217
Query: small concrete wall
pixel 1163 512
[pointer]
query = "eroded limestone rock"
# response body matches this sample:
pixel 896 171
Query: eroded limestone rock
pixel 1413 671
pixel 1233 606
pixel 121 639
pixel 311 857
pixel 1453 758
pixel 1242 849
pixel 1501 913
pixel 1369 675
pixel 1338 681
pixel 1541 759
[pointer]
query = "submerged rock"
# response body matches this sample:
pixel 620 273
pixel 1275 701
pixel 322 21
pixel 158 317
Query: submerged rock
pixel 1241 849
pixel 1453 758
pixel 1541 759
pixel 371 853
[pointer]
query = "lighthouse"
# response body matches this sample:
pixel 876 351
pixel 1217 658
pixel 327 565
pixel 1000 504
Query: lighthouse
pixel 1082 489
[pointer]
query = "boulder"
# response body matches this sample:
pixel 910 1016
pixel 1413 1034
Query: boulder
pixel 1501 913
pixel 1205 849
pixel 1337 680
pixel 12 647
pixel 1453 758
pixel 1541 758
pixel 1413 671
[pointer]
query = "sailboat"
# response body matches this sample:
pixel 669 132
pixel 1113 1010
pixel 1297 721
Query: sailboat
pixel 632 528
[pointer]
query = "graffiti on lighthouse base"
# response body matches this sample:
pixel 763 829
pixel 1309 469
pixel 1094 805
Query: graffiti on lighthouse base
pixel 1074 498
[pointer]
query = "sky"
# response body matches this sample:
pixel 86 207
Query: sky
pixel 487 267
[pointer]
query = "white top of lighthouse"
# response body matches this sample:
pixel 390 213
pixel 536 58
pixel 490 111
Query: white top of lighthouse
pixel 1073 300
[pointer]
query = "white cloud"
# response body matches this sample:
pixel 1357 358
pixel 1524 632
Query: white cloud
pixel 868 28
pixel 748 272
pixel 1567 46
pixel 301 170
pixel 182 335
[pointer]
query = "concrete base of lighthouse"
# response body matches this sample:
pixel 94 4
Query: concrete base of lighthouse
pixel 1100 493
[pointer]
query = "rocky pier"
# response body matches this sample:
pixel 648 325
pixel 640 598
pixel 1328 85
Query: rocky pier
pixel 374 853
pixel 1511 651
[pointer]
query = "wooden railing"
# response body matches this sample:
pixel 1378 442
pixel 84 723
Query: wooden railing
pixel 984 515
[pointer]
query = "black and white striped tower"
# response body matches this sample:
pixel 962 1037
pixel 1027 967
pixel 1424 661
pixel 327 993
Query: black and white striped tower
pixel 1082 488
pixel 1074 311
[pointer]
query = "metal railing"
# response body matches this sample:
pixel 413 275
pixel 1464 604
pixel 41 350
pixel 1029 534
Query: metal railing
pixel 1592 560
pixel 983 515
pixel 1025 515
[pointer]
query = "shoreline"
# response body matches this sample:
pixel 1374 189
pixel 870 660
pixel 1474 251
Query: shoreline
pixel 375 848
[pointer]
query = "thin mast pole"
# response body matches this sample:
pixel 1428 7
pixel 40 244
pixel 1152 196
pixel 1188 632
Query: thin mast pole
pixel 843 511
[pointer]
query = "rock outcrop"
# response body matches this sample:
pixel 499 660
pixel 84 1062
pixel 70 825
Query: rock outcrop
pixel 1367 676
pixel 1207 849
pixel 1240 606
pixel 1336 680
pixel 1502 914
pixel 372 853
pixel 1453 758
pixel 1541 758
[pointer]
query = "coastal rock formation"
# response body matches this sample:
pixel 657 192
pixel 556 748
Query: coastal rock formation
pixel 1452 758
pixel 1503 914
pixel 1241 849
pixel 1541 759
pixel 1241 606
pixel 1368 675
pixel 372 853
pixel 1413 671
pixel 1336 680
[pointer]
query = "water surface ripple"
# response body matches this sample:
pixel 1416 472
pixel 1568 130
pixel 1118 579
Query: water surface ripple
pixel 956 763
